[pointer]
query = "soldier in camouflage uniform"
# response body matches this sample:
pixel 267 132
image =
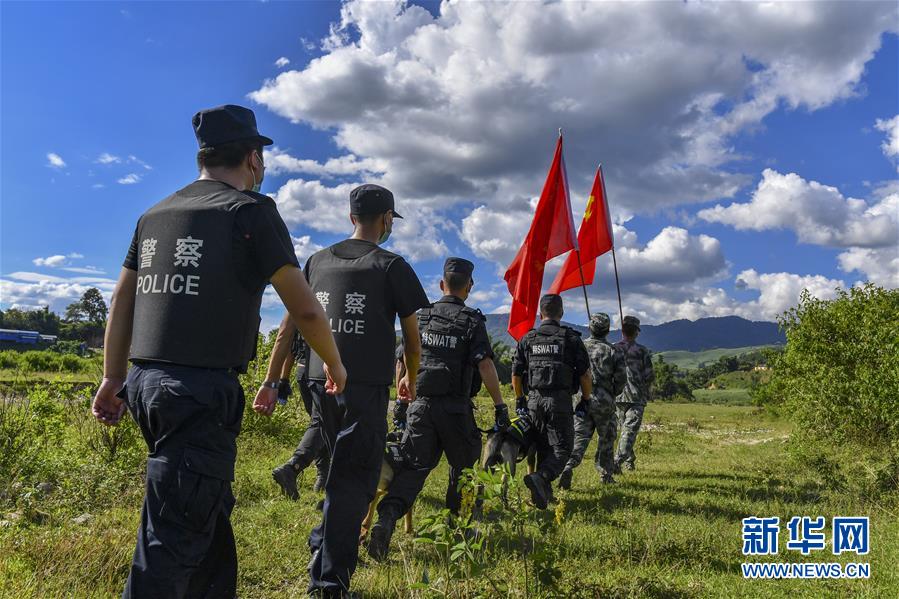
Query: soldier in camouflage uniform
pixel 637 392
pixel 598 411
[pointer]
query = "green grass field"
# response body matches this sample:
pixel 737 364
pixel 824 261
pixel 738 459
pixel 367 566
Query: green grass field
pixel 670 529
pixel 689 359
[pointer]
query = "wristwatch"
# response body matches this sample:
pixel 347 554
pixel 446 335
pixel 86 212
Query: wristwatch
pixel 270 384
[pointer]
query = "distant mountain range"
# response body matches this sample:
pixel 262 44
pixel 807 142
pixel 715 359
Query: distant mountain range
pixel 685 335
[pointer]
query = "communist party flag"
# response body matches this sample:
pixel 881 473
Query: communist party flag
pixel 594 239
pixel 551 234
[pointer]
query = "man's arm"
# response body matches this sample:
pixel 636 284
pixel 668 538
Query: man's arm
pixel 310 319
pixel 517 385
pixel 279 362
pixel 411 356
pixel 399 373
pixel 487 369
pixel 586 385
pixel 108 408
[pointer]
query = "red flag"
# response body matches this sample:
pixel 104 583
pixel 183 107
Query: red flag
pixel 594 239
pixel 551 234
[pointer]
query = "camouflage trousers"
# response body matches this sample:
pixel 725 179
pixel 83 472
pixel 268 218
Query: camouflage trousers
pixel 600 417
pixel 630 416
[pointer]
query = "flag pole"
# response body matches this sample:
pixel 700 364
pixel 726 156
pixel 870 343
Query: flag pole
pixel 605 195
pixel 583 283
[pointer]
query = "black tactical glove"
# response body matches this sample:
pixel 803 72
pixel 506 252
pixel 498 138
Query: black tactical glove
pixel 399 414
pixel 284 391
pixel 501 416
pixel 580 410
pixel 521 405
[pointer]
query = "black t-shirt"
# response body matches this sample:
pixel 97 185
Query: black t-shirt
pixel 260 241
pixel 405 293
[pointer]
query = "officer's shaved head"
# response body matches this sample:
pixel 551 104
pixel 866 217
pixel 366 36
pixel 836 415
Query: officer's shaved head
pixel 551 306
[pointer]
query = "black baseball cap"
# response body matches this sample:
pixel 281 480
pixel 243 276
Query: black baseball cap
pixel 551 302
pixel 458 265
pixel 372 199
pixel 226 124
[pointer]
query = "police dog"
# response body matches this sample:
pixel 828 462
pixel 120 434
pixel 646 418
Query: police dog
pixel 391 455
pixel 511 445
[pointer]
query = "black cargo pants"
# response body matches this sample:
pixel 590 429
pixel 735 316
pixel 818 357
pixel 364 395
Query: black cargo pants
pixel 190 419
pixel 433 426
pixel 355 430
pixel 312 445
pixel 553 419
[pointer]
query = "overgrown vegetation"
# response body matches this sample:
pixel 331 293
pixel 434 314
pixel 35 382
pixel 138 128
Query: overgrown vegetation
pixel 838 380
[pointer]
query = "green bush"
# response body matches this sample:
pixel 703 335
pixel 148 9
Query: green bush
pixel 838 377
pixel 10 359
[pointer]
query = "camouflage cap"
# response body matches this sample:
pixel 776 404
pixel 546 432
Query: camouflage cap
pixel 599 324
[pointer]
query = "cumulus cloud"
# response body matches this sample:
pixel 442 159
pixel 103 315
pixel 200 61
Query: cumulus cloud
pixel 890 145
pixel 817 213
pixel 780 291
pixel 463 105
pixel 315 205
pixel 28 290
pixel 879 266
pixel 278 162
pixel 129 179
pixel 282 62
pixel 304 247
pixel 54 160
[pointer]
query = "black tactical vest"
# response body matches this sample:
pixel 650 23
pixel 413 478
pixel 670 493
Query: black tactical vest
pixel 355 295
pixel 191 308
pixel 446 330
pixel 547 352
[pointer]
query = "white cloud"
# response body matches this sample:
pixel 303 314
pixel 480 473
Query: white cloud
pixel 58 260
pixel 279 162
pixel 97 186
pixel 132 159
pixel 32 290
pixel 304 247
pixel 817 213
pixel 879 266
pixel 312 204
pixel 780 291
pixel 282 62
pixel 890 145
pixel 656 90
pixel 55 160
pixel 129 179
pixel 107 158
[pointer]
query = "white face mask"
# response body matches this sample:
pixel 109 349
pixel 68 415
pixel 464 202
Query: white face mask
pixel 388 228
pixel 257 185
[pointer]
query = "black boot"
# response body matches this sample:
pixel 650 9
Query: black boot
pixel 379 536
pixel 286 477
pixel 565 479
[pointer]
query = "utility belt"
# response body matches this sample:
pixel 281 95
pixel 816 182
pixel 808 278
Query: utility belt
pixel 163 365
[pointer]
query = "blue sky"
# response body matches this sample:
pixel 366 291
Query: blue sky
pixel 742 165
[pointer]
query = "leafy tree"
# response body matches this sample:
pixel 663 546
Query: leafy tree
pixel 91 308
pixel 669 383
pixel 41 320
pixel 838 376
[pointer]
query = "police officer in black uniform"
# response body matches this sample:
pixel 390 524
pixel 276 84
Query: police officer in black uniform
pixel 311 447
pixel 187 304
pixel 555 362
pixel 454 349
pixel 363 288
